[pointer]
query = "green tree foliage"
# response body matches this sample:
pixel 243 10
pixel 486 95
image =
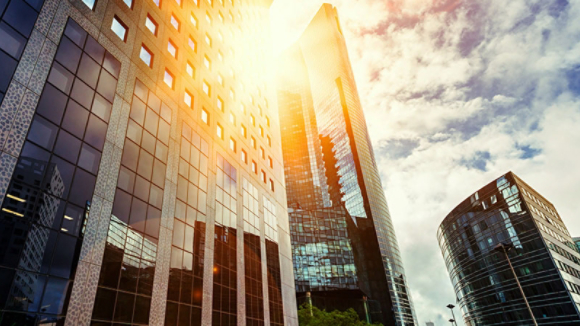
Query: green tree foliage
pixel 311 316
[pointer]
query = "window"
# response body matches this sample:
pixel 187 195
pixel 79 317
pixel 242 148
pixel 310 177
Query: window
pixel 221 17
pixel 220 56
pixel 268 121
pixel 220 131
pixel 271 185
pixel 263 176
pixel 253 120
pixel 172 49
pixel 244 131
pixel 244 156
pixel 151 25
pixel 232 119
pixel 168 79
pixel 254 167
pixel 262 152
pixel 192 44
pixel 188 99
pixel 119 28
pixel 208 17
pixel 129 3
pixel 253 142
pixel 220 36
pixel 205 116
pixel 157 3
pixel 146 55
pixel 261 131
pixel 90 3
pixel 193 20
pixel 220 79
pixel 232 144
pixel 190 70
pixel 270 162
pixel 206 88
pixel 220 104
pixel 232 94
pixel 269 141
pixel 178 2
pixel 260 110
pixel 206 62
pixel 243 108
pixel 208 39
pixel 175 22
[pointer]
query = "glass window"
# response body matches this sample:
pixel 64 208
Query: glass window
pixel 192 44
pixel 232 119
pixel 253 142
pixel 254 167
pixel 206 62
pixel 252 120
pixel 175 22
pixel 220 56
pixel 220 131
pixel 268 121
pixel 220 104
pixel 220 79
pixel 244 131
pixel 204 116
pixel 244 156
pixel 12 42
pixel 262 152
pixel 269 140
pixel 90 4
pixel 208 39
pixel 271 162
pixel 129 3
pixel 271 185
pixel 119 28
pixel 172 49
pixel 193 20
pixel 151 25
pixel 157 3
pixel 206 88
pixel 189 70
pixel 146 55
pixel 168 79
pixel 261 131
pixel 208 17
pixel 188 99
pixel 263 176
pixel 232 144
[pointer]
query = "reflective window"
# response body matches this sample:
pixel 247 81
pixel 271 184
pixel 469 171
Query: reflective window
pixel 146 55
pixel 168 79
pixel 204 116
pixel 119 28
pixel 188 99
pixel 151 25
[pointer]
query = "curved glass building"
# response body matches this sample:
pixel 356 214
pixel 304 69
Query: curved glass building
pixel 543 255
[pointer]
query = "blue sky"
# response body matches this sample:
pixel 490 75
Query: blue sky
pixel 457 93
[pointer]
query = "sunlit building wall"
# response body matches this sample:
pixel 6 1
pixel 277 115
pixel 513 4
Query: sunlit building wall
pixel 344 245
pixel 544 257
pixel 141 175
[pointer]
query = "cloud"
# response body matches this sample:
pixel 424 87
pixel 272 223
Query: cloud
pixel 456 93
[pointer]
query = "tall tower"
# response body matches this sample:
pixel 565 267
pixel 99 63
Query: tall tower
pixel 344 247
pixel 141 176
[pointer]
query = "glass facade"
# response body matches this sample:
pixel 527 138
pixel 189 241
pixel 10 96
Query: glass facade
pixel 544 257
pixel 335 196
pixel 119 204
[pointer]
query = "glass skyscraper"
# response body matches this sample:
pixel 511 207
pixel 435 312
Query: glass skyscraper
pixel 344 247
pixel 543 254
pixel 141 176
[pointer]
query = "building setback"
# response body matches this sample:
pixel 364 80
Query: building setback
pixel 543 255
pixel 141 176
pixel 344 246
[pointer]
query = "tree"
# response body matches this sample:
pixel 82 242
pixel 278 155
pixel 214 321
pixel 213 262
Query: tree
pixel 323 318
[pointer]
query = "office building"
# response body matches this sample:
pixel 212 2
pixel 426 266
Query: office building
pixel 577 242
pixel 545 259
pixel 344 247
pixel 141 176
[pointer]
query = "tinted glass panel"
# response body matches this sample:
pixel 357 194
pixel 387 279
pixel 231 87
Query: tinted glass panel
pixel 52 104
pixel 10 41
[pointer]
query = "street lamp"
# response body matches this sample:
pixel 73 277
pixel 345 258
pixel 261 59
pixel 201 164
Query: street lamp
pixel 450 306
pixel 505 248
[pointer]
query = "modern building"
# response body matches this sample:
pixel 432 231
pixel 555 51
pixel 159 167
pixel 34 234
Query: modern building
pixel 141 176
pixel 344 247
pixel 577 242
pixel 545 259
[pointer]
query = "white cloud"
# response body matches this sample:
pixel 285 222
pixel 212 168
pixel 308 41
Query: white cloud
pixel 456 93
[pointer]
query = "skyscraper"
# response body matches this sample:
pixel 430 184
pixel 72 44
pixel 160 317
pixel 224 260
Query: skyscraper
pixel 141 177
pixel 344 247
pixel 545 259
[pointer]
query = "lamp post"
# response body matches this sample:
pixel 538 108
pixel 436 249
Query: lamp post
pixel 450 306
pixel 504 248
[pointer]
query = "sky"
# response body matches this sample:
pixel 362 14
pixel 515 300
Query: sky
pixel 456 93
